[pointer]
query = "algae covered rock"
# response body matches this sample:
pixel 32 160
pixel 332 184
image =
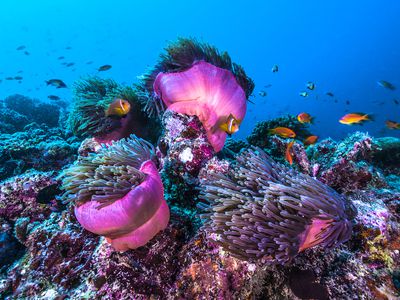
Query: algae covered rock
pixel 386 154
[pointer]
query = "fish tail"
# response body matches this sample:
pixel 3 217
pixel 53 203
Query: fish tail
pixel 369 117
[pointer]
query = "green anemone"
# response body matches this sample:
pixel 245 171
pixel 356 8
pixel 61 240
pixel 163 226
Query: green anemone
pixel 92 97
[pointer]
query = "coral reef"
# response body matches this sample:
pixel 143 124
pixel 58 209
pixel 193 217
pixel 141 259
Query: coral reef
pixel 58 253
pixel 346 165
pixel 37 147
pixel 182 261
pixel 20 197
pixel 10 249
pixel 88 118
pixel 17 111
pixel 261 137
pixel 186 151
pixel 386 154
pixel 32 136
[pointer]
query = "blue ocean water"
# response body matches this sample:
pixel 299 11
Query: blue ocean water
pixel 344 47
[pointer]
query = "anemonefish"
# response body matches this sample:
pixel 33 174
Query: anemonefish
pixel 231 125
pixel 119 108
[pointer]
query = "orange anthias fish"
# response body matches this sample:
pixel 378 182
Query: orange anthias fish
pixel 289 153
pixel 311 140
pixel 119 108
pixel 231 125
pixel 392 124
pixel 283 132
pixel 355 118
pixel 304 118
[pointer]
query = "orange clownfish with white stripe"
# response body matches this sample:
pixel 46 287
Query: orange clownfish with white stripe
pixel 118 108
pixel 231 125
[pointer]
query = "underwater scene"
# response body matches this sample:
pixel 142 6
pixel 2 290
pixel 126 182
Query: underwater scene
pixel 200 150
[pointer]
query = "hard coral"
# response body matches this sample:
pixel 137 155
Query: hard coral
pixel 186 151
pixel 386 154
pixel 38 147
pixel 261 137
pixel 33 110
pixel 208 272
pixel 148 272
pixel 118 193
pixel 18 197
pixel 346 165
pixel 58 255
pixel 195 79
pixel 88 117
pixel 263 210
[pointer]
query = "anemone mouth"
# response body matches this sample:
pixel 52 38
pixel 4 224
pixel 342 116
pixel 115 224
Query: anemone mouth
pixel 261 209
pixel 182 55
pixel 107 175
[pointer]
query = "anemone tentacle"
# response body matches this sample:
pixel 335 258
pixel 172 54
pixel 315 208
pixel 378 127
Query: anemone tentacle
pixel 108 174
pixel 261 209
pixel 92 97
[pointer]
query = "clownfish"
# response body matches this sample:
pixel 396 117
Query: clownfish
pixel 231 125
pixel 119 107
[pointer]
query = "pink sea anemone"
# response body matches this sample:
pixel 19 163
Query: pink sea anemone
pixel 204 90
pixel 194 78
pixel 118 193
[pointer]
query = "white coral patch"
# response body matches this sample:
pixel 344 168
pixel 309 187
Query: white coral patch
pixel 186 155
